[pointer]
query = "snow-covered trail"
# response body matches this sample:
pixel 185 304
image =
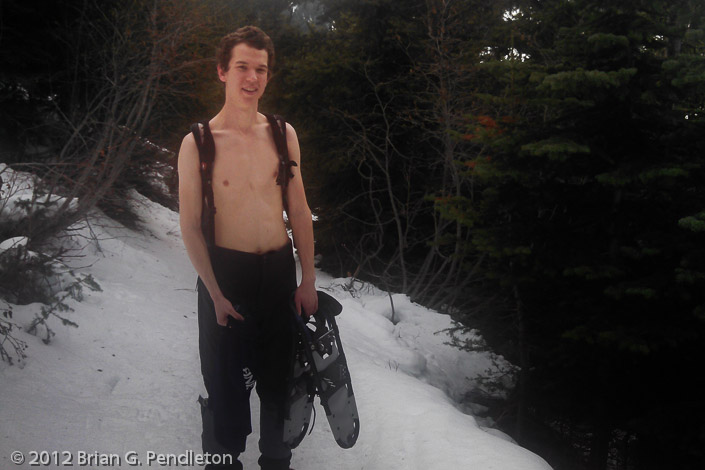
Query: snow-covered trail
pixel 127 379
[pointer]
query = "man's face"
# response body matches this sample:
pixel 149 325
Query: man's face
pixel 247 74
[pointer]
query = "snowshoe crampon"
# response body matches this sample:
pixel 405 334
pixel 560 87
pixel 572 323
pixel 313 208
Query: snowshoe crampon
pixel 320 369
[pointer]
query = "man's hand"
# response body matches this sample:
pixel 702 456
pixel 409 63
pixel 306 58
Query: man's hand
pixel 306 298
pixel 225 309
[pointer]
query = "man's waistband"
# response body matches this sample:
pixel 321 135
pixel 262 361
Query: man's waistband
pixel 285 250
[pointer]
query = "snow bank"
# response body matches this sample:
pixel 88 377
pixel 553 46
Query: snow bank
pixel 18 198
pixel 14 242
pixel 127 379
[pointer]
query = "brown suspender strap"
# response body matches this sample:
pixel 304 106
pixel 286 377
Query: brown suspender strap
pixel 206 157
pixel 278 125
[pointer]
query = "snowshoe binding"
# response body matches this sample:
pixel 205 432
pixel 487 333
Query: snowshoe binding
pixel 320 368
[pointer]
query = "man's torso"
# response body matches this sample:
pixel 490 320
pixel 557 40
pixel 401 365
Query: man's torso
pixel 247 199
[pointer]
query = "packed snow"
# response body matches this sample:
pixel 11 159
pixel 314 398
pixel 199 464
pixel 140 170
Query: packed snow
pixel 123 384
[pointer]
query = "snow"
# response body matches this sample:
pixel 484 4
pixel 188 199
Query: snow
pixel 14 242
pixel 18 198
pixel 128 377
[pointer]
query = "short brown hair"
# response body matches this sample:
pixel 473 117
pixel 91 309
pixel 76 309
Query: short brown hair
pixel 250 35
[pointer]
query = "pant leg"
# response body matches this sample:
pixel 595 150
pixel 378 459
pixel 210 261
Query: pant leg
pixel 275 355
pixel 226 360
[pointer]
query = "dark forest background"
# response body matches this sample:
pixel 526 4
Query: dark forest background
pixel 534 168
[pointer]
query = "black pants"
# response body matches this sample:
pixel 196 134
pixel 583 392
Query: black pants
pixel 257 351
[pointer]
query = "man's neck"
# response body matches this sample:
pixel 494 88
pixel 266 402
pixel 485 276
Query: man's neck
pixel 236 117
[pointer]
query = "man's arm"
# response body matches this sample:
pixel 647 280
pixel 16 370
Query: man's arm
pixel 190 200
pixel 301 224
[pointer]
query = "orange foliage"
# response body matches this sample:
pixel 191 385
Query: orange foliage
pixel 487 122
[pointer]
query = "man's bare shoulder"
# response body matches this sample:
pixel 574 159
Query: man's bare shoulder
pixel 292 142
pixel 290 131
pixel 188 153
pixel 188 145
pixel 188 141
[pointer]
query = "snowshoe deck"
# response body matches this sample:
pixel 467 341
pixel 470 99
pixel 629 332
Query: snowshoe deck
pixel 321 369
pixel 299 405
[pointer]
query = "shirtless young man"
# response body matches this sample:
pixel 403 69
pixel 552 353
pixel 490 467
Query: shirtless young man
pixel 246 279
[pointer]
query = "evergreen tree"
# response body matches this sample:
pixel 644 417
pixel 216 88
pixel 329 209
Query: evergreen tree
pixel 590 217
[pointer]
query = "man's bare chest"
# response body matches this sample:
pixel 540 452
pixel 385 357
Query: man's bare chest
pixel 245 168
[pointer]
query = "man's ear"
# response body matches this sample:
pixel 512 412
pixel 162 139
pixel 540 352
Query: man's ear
pixel 221 73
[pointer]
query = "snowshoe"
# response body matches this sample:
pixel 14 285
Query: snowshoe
pixel 301 392
pixel 320 368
